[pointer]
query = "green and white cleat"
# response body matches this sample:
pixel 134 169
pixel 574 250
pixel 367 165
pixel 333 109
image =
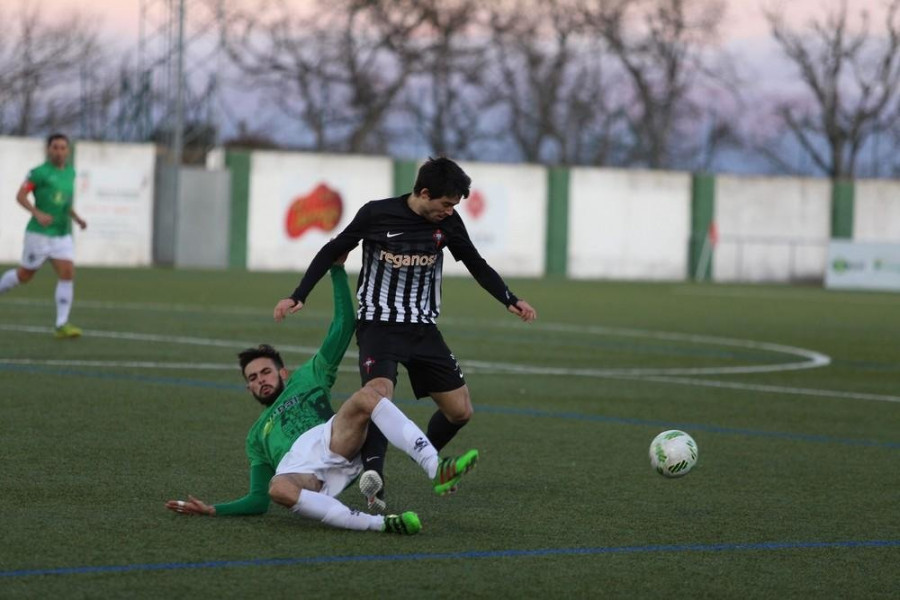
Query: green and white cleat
pixel 67 331
pixel 370 484
pixel 451 470
pixel 405 524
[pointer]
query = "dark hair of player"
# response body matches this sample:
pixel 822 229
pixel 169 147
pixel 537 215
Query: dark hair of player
pixel 57 136
pixel 442 177
pixel 261 351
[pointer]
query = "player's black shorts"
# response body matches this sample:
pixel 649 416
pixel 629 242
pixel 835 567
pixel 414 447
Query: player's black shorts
pixel 418 347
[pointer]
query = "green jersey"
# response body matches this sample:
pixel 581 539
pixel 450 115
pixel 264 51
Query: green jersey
pixel 304 404
pixel 53 191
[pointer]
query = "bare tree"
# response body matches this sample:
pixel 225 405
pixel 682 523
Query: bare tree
pixel 662 47
pixel 590 128
pixel 40 65
pixel 338 68
pixel 444 101
pixel 852 81
pixel 547 79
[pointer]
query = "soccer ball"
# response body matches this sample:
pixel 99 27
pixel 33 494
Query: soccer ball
pixel 673 453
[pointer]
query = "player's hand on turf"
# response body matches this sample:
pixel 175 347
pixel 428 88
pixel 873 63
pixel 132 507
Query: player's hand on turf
pixel 523 310
pixel 286 307
pixel 191 506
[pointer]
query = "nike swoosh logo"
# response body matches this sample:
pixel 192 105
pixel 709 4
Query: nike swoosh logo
pixel 390 235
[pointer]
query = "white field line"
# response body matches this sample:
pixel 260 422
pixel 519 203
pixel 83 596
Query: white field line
pixel 814 359
pixel 164 307
pixel 811 360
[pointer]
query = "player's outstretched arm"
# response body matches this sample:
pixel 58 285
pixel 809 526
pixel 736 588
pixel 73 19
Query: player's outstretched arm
pixel 256 502
pixel 191 506
pixel 523 310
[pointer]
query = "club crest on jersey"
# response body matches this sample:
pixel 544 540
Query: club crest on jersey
pixel 438 237
pixel 368 364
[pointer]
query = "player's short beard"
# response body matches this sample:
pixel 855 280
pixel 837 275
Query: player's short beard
pixel 269 399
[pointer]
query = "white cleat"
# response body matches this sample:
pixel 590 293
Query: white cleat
pixel 370 484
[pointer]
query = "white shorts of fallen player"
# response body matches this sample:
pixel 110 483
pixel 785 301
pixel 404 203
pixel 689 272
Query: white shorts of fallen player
pixel 311 453
pixel 39 248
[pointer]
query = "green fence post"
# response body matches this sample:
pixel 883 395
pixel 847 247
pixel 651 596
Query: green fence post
pixel 842 207
pixel 238 162
pixel 405 172
pixel 557 221
pixel 703 202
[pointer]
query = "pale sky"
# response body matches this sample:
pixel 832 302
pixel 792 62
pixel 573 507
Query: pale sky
pixel 745 19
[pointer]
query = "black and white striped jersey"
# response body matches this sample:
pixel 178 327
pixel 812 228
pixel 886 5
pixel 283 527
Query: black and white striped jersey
pixel 402 262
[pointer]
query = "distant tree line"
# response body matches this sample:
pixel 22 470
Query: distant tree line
pixel 620 83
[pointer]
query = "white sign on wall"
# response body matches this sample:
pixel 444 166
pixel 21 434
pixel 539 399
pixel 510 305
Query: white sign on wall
pixel 506 217
pixel 114 194
pixel 860 265
pixel 300 201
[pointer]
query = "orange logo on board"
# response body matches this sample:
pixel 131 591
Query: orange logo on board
pixel 476 204
pixel 321 208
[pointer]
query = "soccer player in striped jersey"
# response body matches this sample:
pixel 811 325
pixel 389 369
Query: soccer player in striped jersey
pixel 399 297
pixel 48 235
pixel 302 454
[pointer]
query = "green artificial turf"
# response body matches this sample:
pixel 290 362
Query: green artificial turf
pixel 795 493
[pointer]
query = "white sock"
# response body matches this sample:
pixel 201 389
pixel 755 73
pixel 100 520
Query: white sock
pixel 9 280
pixel 64 293
pixel 330 511
pixel 406 435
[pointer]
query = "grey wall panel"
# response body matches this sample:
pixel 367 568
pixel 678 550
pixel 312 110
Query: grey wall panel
pixel 203 219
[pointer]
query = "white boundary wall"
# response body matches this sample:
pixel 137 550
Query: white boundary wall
pixel 277 179
pixel 628 224
pixel 113 193
pixel 876 216
pixel 17 157
pixel 506 217
pixel 505 214
pixel 771 228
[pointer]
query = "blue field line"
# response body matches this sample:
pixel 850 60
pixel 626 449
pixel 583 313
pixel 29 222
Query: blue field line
pixel 499 410
pixel 124 376
pixel 469 555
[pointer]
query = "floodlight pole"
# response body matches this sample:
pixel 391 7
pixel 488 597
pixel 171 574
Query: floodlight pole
pixel 178 129
pixel 178 125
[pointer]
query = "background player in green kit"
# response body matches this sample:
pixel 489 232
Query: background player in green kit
pixel 48 235
pixel 302 454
